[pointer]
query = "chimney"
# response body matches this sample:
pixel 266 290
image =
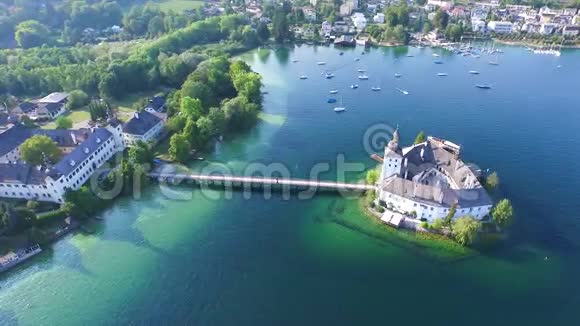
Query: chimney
pixel 136 115
pixel 74 138
pixel 423 154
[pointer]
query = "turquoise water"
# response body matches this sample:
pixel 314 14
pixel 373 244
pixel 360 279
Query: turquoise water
pixel 255 261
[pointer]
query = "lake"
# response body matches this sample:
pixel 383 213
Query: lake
pixel 212 259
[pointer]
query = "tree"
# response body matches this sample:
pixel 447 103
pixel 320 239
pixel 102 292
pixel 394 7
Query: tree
pixel 441 19
pixel 492 181
pixel 63 122
pixel 179 148
pixel 450 215
pixel 420 137
pixel 465 230
pixel 191 107
pixel 141 153
pixel 502 213
pixel 280 24
pixel 454 32
pixel 77 99
pixel 437 224
pixel 39 149
pixel 372 177
pixel 263 32
pixel 31 33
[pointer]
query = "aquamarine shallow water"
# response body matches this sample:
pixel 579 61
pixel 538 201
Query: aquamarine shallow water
pixel 256 261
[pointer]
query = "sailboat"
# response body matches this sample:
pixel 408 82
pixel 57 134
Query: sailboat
pixel 363 77
pixel 303 77
pixel 442 74
pixel 354 86
pixel 483 86
pixel 474 72
pixel 321 63
pixel 402 91
pixel 340 108
pixel 334 91
pixel 398 75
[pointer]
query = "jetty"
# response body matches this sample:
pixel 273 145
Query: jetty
pixel 256 182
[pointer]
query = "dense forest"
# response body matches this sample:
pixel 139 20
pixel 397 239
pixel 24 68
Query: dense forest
pixel 26 23
pixel 113 71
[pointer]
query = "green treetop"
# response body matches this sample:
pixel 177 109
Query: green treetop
pixel 465 230
pixel 38 149
pixel 502 213
pixel 420 137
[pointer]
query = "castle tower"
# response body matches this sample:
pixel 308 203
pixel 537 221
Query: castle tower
pixel 393 159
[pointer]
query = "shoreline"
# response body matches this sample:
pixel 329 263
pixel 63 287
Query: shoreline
pixel 531 45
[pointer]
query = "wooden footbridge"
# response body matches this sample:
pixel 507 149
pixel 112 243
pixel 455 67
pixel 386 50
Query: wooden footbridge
pixel 256 182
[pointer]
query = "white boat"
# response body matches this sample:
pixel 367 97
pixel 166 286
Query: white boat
pixel 295 60
pixel 334 91
pixel 354 86
pixel 398 75
pixel 363 77
pixel 329 75
pixel 559 66
pixel 356 59
pixel 410 55
pixel 303 77
pixel 376 88
pixel 474 72
pixel 321 63
pixel 402 91
pixel 435 55
pixel 442 74
pixel 361 70
pixel 340 108
pixel 483 86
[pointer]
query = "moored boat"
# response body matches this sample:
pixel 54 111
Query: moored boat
pixel 483 86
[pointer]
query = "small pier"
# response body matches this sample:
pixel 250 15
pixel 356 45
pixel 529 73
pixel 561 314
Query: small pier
pixel 254 181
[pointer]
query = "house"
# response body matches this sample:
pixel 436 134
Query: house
pixel 46 108
pixel 441 4
pixel 379 18
pixel 500 27
pixel 157 106
pixel 359 21
pixel 84 151
pixel 425 180
pixel 340 27
pixel 345 40
pixel 144 126
pixel 345 10
pixel 548 28
pixel 309 13
pixel 571 30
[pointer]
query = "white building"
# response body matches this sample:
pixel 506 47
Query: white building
pixel 500 27
pixel 570 30
pixel 345 10
pixel 46 108
pixel 325 29
pixel 425 180
pixel 478 26
pixel 144 126
pixel 359 21
pixel 86 151
pixel 379 18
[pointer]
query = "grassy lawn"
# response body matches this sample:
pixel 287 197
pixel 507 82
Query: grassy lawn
pixel 76 116
pixel 177 5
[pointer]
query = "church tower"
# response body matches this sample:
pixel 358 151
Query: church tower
pixel 393 159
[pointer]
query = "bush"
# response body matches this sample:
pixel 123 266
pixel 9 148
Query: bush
pixel 437 224
pixel 382 203
pixel 425 225
pixel 372 204
pixel 32 204
pixel 381 209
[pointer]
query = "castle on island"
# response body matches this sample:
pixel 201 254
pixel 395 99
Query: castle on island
pixel 425 180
